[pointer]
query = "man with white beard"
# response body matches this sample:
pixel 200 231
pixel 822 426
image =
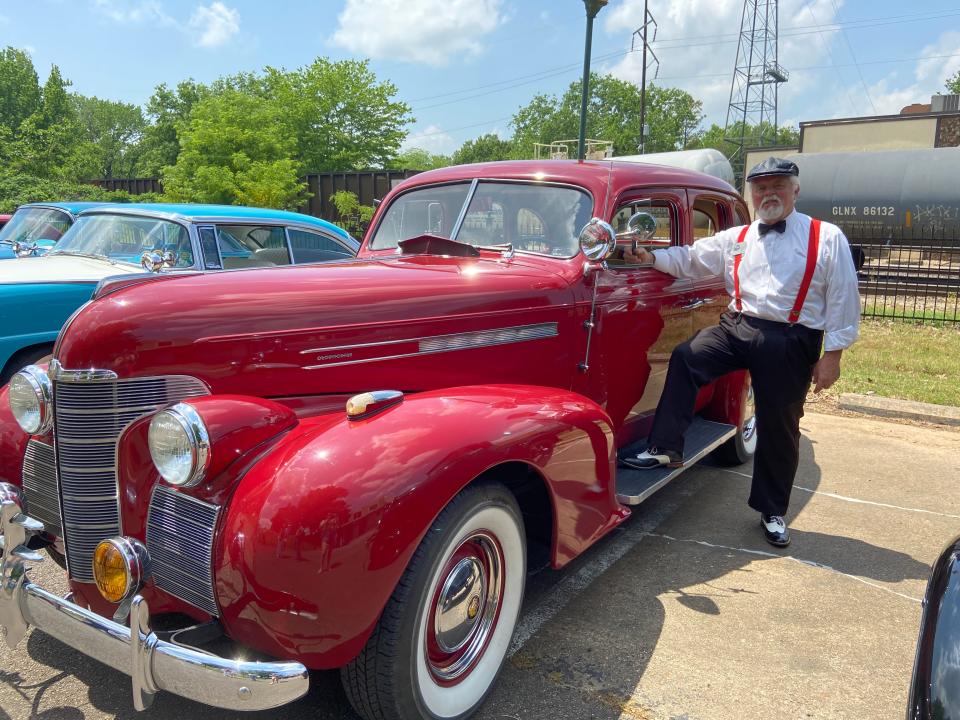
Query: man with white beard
pixel 794 291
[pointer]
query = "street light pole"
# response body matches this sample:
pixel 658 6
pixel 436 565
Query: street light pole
pixel 643 83
pixel 592 7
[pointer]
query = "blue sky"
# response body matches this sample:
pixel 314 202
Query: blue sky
pixel 465 66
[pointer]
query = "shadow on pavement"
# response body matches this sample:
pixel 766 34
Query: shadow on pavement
pixel 589 660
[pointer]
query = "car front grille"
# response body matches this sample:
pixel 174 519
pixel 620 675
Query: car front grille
pixel 89 417
pixel 180 533
pixel 40 486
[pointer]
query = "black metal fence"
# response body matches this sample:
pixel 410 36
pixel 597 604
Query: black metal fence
pixel 367 186
pixel 134 186
pixel 909 273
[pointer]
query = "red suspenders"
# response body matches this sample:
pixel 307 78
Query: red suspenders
pixel 813 248
pixel 737 256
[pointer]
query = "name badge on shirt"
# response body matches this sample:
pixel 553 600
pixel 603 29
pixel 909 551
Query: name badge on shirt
pixel 738 249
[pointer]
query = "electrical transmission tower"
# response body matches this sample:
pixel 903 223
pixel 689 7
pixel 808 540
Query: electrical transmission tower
pixel 641 36
pixel 752 113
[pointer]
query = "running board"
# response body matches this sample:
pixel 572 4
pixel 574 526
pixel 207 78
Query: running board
pixel 634 486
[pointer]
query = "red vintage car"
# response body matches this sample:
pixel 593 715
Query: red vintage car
pixel 347 466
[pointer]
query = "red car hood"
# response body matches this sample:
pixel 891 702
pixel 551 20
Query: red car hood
pixel 268 332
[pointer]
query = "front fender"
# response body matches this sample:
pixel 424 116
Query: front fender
pixel 320 530
pixel 935 687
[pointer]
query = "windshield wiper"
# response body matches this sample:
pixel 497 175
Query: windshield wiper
pixel 92 256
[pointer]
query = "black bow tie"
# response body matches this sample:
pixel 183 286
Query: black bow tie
pixel 780 227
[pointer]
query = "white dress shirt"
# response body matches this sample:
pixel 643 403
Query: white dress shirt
pixel 771 271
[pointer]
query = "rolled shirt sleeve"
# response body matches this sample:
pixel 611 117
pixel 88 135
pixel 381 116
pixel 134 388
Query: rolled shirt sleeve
pixel 842 301
pixel 702 259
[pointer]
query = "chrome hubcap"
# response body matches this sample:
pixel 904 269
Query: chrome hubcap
pixel 461 600
pixel 465 608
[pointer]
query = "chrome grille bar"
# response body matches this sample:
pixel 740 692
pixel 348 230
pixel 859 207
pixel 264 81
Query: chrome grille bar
pixel 91 414
pixel 180 533
pixel 40 486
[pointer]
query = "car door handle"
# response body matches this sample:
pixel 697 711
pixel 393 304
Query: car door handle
pixel 699 302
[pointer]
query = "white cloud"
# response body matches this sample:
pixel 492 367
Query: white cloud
pixel 129 13
pixel 697 47
pixel 891 94
pixel 421 31
pixel 432 139
pixel 215 23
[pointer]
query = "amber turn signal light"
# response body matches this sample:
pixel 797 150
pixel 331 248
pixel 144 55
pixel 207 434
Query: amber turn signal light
pixel 118 568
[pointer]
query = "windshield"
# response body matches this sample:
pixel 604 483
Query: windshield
pixel 125 238
pixel 32 224
pixel 533 218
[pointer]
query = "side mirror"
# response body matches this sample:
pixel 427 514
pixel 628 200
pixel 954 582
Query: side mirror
pixel 23 249
pixel 155 260
pixel 641 226
pixel 597 240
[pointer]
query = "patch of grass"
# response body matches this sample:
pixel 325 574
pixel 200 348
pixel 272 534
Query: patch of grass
pixel 903 360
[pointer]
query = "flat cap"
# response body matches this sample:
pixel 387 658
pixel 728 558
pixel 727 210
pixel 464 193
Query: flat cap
pixel 773 166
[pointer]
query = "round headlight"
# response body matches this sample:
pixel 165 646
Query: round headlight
pixel 179 445
pixel 30 397
pixel 120 565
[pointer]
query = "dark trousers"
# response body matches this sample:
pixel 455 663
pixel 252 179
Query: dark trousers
pixel 780 358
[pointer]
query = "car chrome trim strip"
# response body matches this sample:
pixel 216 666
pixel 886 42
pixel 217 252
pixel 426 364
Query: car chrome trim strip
pixel 463 210
pixel 440 343
pixel 58 372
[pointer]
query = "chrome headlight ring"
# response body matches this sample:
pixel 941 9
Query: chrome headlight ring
pixel 179 445
pixel 31 400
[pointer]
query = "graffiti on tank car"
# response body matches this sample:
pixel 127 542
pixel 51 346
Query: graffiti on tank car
pixel 937 212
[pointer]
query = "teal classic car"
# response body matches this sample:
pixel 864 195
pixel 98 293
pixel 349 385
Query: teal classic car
pixel 35 227
pixel 38 294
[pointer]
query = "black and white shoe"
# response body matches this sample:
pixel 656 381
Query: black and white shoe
pixel 652 458
pixel 775 530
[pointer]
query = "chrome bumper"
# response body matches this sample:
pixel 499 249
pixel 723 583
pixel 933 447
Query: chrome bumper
pixel 152 664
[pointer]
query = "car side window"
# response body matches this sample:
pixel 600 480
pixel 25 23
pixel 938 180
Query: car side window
pixel 250 246
pixel 664 212
pixel 309 247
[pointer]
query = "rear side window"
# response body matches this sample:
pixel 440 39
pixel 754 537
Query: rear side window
pixel 308 247
pixel 250 246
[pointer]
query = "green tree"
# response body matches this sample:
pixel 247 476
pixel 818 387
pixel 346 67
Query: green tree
pixel 50 140
pixel 19 88
pixel 613 113
pixel 953 84
pixel 418 159
pixel 114 131
pixel 167 110
pixel 340 116
pixel 354 217
pixel 484 149
pixel 235 149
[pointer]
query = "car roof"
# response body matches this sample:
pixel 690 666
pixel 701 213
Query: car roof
pixel 573 171
pixel 198 212
pixel 71 207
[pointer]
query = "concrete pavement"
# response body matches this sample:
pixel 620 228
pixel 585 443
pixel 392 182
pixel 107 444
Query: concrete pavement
pixel 683 613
